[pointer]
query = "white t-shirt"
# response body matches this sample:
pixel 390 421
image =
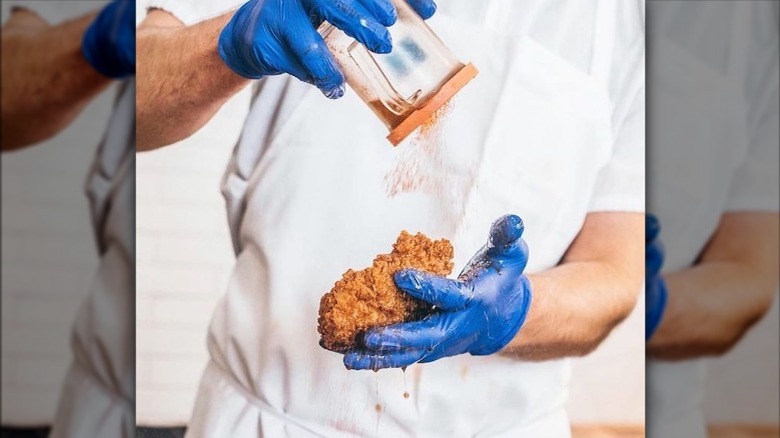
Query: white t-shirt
pixel 591 84
pixel 713 149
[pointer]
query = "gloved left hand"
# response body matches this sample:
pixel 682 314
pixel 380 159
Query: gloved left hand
pixel 655 287
pixel 479 313
pixel 109 43
pixel 270 37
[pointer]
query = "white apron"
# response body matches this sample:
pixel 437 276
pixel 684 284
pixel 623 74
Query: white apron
pixel 697 140
pixel 307 194
pixel 98 394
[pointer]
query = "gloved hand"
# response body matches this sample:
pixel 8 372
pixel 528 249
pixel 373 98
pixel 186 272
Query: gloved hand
pixel 109 43
pixel 655 287
pixel 479 313
pixel 424 8
pixel 270 37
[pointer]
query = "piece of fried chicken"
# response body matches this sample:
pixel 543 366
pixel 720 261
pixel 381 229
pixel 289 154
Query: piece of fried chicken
pixel 369 298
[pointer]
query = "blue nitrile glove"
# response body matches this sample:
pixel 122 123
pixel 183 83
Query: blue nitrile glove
pixel 479 313
pixel 109 43
pixel 270 37
pixel 655 287
pixel 424 8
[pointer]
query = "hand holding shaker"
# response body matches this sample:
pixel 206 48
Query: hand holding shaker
pixel 405 87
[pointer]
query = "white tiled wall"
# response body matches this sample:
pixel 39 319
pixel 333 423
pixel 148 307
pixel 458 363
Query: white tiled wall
pixel 184 258
pixel 49 260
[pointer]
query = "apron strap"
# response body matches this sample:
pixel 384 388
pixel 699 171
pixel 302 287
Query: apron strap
pixel 113 155
pixel 603 37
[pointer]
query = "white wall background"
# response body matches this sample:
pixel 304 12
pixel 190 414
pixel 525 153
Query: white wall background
pixel 184 257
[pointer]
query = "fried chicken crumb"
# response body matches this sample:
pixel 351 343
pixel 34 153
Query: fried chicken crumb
pixel 369 298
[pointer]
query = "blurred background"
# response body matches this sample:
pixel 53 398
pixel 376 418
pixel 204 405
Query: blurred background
pixel 49 261
pixel 67 178
pixel 713 151
pixel 49 256
pixel 185 255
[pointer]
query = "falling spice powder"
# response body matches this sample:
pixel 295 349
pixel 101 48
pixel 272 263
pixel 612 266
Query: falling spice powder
pixel 421 156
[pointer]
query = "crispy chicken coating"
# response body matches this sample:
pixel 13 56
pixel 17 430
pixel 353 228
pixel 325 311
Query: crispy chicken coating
pixel 369 298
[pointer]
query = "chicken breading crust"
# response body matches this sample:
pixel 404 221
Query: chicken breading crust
pixel 369 298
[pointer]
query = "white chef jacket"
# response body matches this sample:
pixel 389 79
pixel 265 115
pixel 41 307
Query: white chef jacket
pixel 552 128
pixel 713 148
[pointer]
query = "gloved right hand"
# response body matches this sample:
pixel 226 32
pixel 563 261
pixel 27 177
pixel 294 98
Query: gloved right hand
pixel 655 287
pixel 109 42
pixel 479 313
pixel 270 37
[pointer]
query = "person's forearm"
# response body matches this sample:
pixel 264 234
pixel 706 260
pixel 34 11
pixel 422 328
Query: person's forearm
pixel 574 307
pixel 576 304
pixel 711 305
pixel 182 81
pixel 709 308
pixel 46 80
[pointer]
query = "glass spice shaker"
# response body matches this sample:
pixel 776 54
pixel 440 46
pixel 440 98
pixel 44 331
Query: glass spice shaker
pixel 405 87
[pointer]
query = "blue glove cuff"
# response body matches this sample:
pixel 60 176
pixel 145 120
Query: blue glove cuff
pixel 655 302
pixel 525 297
pixel 228 53
pixel 109 42
pixel 95 56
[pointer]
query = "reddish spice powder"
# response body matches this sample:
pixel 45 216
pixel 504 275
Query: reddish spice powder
pixel 421 157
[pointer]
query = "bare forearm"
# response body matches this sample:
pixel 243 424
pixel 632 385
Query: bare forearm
pixel 711 305
pixel 182 82
pixel 46 80
pixel 709 308
pixel 577 304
